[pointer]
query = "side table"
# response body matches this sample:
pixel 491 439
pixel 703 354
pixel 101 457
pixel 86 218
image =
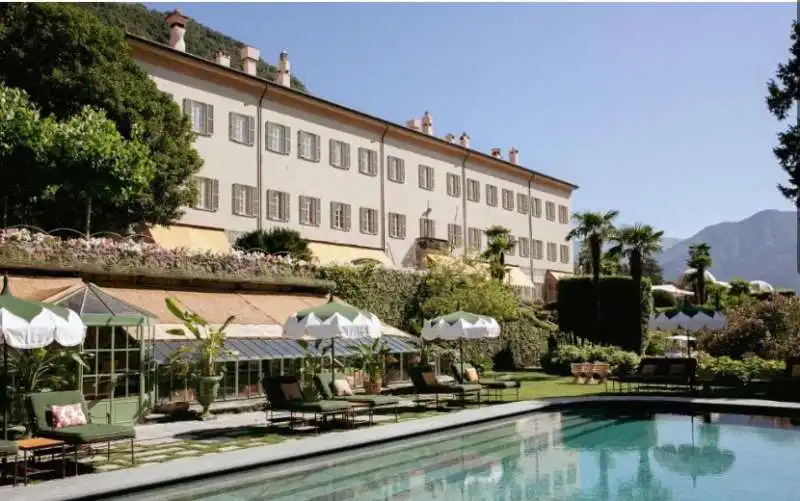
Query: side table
pixel 31 446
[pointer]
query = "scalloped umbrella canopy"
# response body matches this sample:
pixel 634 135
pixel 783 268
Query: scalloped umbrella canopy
pixel 332 321
pixel 30 324
pixel 690 319
pixel 693 461
pixel 460 325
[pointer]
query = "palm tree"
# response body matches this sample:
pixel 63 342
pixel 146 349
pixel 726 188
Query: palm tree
pixel 594 228
pixel 636 244
pixel 499 243
pixel 699 261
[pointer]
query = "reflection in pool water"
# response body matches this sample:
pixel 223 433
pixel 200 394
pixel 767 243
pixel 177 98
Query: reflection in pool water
pixel 569 456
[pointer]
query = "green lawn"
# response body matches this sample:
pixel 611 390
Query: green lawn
pixel 536 385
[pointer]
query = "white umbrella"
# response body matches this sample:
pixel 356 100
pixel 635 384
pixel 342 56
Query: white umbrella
pixel 27 325
pixel 332 321
pixel 459 326
pixel 672 290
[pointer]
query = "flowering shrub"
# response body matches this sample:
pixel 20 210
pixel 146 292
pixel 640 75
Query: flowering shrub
pixel 24 247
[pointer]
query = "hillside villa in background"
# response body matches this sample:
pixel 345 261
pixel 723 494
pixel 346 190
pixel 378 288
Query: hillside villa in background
pixel 356 186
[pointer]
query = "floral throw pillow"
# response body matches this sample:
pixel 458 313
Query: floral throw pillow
pixel 65 416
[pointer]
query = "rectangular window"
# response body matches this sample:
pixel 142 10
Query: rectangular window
pixel 491 195
pixel 245 200
pixel 340 216
pixel 474 237
pixel 537 207
pixel 369 221
pixel 207 194
pixel 397 226
pixel 278 138
pixel 524 245
pixel 538 249
pixel 564 254
pixel 201 115
pixel 563 214
pixel 455 235
pixel 473 190
pixel 426 181
pixel 513 241
pixel 278 204
pixel 339 154
pixel 550 211
pixel 508 200
pixel 368 162
pixel 241 128
pixel 308 146
pixel 551 252
pixel 310 209
pixel 454 185
pixel 427 228
pixel 396 169
pixel 523 203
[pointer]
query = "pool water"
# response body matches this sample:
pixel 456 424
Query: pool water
pixel 571 456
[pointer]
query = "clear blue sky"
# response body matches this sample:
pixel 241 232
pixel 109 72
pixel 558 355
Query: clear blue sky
pixel 655 110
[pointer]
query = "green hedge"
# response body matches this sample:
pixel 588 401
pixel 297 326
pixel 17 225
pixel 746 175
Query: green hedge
pixel 623 322
pixel 728 370
pixel 396 296
pixel 558 361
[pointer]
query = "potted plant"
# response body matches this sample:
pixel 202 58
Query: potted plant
pixel 210 346
pixel 370 358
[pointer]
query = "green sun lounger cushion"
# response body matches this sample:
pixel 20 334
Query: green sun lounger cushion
pixel 7 447
pixel 324 383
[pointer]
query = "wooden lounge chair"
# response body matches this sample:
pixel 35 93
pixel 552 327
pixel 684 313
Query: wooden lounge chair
pixel 324 384
pixel 581 372
pixel 425 383
pixel 494 387
pixel 660 372
pixel 39 407
pixel 284 393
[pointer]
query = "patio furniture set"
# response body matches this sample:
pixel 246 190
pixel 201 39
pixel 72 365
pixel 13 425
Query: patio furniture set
pixel 590 373
pixel 61 429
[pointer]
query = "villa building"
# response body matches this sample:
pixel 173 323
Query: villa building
pixel 354 185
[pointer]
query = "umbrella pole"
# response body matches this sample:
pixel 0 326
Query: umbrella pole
pixel 461 355
pixel 333 359
pixel 5 390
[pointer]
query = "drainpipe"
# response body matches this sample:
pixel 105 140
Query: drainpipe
pixel 464 231
pixel 259 156
pixel 530 225
pixel 382 183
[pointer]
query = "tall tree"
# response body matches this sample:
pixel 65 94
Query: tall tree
pixel 594 228
pixel 499 243
pixel 93 172
pixel 699 261
pixel 635 243
pixel 782 100
pixel 65 59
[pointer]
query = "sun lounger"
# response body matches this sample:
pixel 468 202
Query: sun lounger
pixel 494 387
pixel 325 387
pixel 285 394
pixel 425 383
pixel 660 372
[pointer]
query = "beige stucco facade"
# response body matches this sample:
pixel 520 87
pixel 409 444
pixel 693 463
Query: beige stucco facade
pixel 365 177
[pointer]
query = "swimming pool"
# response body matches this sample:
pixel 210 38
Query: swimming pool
pixel 568 455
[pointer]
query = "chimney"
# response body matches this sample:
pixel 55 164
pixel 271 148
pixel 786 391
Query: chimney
pixel 414 124
pixel 427 123
pixel 222 58
pixel 497 153
pixel 464 140
pixel 450 138
pixel 284 76
pixel 177 29
pixel 513 155
pixel 250 57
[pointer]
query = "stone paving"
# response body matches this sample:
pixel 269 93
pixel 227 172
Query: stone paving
pixel 158 443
